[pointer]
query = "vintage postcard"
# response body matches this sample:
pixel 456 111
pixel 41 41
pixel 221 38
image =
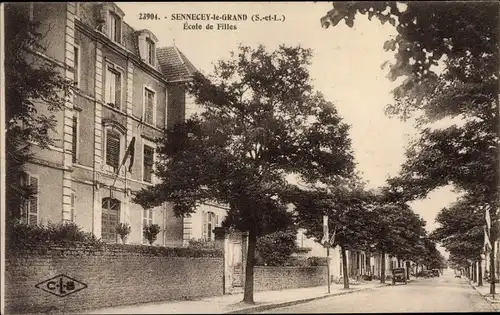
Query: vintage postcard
pixel 250 157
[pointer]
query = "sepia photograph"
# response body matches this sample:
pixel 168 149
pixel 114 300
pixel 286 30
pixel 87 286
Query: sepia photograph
pixel 249 157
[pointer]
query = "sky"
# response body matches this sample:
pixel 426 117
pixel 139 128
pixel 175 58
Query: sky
pixel 346 68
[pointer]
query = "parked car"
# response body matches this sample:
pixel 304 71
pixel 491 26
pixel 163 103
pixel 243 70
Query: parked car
pixel 398 275
pixel 435 272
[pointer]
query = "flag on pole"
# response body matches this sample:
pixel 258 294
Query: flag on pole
pixel 129 153
pixel 325 230
pixel 488 219
pixel 487 243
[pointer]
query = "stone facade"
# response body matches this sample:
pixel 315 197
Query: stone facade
pixel 116 77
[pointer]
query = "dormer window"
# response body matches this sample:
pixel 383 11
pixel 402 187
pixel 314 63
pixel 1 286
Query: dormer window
pixel 115 27
pixel 147 46
pixel 151 51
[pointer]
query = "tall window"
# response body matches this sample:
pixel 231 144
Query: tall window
pixel 110 218
pixel 29 207
pixel 75 139
pixel 115 27
pixel 210 221
pixel 149 106
pixel 148 161
pixel 147 219
pixel 76 52
pixel 113 149
pixel 151 51
pixel 113 93
pixel 73 201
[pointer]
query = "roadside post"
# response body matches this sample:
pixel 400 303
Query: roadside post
pixel 325 242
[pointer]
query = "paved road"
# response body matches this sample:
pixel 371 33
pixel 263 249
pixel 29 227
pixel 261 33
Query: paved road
pixel 442 294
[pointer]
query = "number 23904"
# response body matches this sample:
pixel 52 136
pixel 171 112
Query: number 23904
pixel 148 16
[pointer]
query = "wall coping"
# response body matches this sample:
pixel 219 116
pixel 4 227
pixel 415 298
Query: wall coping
pixel 75 249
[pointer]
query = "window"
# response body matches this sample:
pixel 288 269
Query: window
pixel 115 27
pixel 147 219
pixel 72 214
pixel 76 51
pixel 210 221
pixel 151 51
pixel 113 149
pixel 110 219
pixel 148 161
pixel 113 92
pixel 74 140
pixel 149 106
pixel 29 208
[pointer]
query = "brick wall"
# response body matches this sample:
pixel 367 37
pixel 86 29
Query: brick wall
pixel 279 278
pixel 113 277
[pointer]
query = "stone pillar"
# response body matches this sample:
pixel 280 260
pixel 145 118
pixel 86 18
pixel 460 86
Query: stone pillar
pixel 69 60
pixel 220 237
pixel 220 243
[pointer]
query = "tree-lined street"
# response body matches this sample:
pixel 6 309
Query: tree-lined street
pixel 440 294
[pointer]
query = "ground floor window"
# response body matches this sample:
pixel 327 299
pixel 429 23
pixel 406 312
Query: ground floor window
pixel 110 219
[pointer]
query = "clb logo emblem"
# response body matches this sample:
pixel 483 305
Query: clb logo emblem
pixel 61 285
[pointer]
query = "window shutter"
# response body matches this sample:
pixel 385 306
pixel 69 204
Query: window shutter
pixel 145 217
pixel 108 85
pixel 149 106
pixel 112 149
pixel 73 199
pixel 118 90
pixel 216 220
pixel 205 224
pixel 148 163
pixel 33 203
pixel 142 47
pixel 75 139
pixel 76 66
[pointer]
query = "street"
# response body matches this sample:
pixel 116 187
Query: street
pixel 440 294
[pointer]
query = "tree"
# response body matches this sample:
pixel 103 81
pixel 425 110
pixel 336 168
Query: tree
pixel 348 209
pixel 33 89
pixel 396 230
pixel 461 230
pixel 262 121
pixel 275 249
pixel 464 42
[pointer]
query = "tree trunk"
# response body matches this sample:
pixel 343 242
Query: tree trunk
pixel 252 242
pixel 474 273
pixel 492 268
pixel 344 268
pixel 382 269
pixel 480 274
pixel 407 270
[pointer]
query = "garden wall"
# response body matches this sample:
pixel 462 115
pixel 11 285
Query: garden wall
pixel 118 276
pixel 280 278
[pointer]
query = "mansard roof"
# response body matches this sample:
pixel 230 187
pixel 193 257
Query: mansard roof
pixel 174 64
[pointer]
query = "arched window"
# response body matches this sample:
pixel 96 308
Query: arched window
pixel 110 218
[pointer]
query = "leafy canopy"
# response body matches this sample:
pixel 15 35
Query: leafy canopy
pixel 261 122
pixel 34 91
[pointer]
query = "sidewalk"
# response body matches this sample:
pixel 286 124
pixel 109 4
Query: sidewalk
pixel 484 291
pixel 231 304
